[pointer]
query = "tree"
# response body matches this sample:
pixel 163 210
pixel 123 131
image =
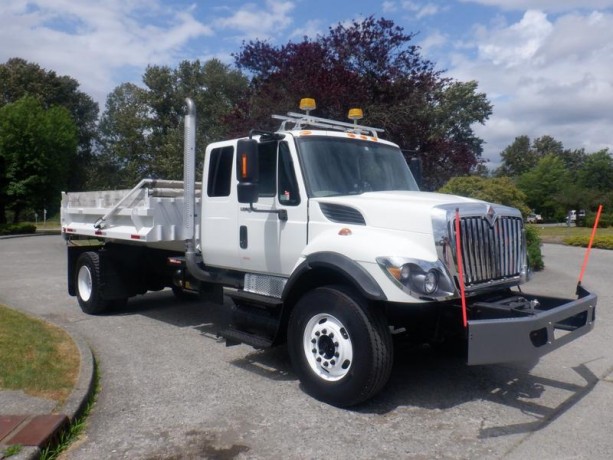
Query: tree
pixel 577 180
pixel 141 128
pixel 494 189
pixel 596 172
pixel 19 78
pixel 372 64
pixel 517 158
pixel 37 146
pixel 547 145
pixel 523 155
pixel 122 160
pixel 542 184
pixel 458 107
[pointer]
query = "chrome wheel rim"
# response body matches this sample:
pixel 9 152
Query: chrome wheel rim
pixel 327 347
pixel 84 283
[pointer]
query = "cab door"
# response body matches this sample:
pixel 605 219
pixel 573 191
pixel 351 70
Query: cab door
pixel 219 212
pixel 267 242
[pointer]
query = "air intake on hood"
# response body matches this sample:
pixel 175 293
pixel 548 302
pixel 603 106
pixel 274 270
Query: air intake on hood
pixel 342 214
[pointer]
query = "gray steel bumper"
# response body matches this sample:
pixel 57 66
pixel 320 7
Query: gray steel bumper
pixel 556 323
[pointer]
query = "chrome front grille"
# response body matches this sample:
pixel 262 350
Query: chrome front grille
pixel 491 251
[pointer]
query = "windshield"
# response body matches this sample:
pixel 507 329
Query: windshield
pixel 337 166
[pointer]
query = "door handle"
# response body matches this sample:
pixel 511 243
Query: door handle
pixel 244 240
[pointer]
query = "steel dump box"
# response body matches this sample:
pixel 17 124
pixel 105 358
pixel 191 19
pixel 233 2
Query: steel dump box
pixel 150 214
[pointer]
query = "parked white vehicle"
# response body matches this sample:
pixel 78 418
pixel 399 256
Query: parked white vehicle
pixel 319 234
pixel 533 218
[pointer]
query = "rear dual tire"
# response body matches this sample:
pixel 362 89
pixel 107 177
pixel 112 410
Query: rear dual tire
pixel 88 282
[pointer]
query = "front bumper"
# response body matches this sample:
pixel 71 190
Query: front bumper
pixel 494 337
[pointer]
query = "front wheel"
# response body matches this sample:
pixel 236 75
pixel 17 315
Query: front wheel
pixel 340 346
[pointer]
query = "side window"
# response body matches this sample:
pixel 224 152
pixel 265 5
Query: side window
pixel 220 171
pixel 267 162
pixel 288 185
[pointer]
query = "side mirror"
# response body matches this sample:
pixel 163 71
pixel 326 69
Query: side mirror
pixel 247 192
pixel 415 166
pixel 247 171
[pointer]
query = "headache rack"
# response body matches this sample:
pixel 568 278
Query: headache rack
pixel 301 120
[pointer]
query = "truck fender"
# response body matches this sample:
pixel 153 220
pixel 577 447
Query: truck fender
pixel 342 265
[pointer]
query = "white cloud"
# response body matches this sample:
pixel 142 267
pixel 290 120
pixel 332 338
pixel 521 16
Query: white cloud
pixel 91 40
pixel 544 76
pixel 434 40
pixel 310 29
pixel 389 7
pixel 421 10
pixel 253 22
pixel 545 5
pixel 518 43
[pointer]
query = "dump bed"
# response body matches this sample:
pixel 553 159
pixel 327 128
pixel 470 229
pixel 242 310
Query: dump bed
pixel 150 214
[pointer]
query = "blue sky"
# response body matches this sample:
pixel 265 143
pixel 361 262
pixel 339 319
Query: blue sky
pixel 546 65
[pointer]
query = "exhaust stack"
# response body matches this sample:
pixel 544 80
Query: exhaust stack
pixel 189 172
pixel 192 258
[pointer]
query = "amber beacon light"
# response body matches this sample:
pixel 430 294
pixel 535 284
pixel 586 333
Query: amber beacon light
pixel 307 104
pixel 355 114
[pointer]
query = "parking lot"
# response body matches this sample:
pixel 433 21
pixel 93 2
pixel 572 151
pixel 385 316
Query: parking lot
pixel 170 389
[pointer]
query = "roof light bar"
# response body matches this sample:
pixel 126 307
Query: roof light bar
pixel 300 120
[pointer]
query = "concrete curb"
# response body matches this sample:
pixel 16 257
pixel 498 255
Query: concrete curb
pixel 27 235
pixel 76 402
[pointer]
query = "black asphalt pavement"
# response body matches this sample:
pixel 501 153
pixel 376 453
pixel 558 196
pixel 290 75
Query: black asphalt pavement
pixel 170 389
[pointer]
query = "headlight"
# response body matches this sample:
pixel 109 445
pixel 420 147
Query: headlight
pixel 431 282
pixel 405 273
pixel 419 278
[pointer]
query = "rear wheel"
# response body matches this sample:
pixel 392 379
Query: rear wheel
pixel 182 294
pixel 340 346
pixel 88 282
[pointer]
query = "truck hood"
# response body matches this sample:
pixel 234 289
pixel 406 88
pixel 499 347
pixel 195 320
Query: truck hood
pixel 397 210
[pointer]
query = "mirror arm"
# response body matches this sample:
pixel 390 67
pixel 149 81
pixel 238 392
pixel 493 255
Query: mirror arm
pixel 282 213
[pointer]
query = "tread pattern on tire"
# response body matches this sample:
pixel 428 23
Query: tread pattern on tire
pixel 381 343
pixel 95 305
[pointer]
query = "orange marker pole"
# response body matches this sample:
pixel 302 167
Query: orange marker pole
pixel 458 248
pixel 589 246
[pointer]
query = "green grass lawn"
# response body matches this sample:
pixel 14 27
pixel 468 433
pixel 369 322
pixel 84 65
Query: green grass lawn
pixel 50 224
pixel 36 357
pixel 577 236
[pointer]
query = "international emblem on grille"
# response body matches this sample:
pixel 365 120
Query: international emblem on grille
pixel 490 215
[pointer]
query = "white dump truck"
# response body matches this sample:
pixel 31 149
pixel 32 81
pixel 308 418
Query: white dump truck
pixel 321 238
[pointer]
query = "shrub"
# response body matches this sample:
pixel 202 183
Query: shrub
pixel 606 220
pixel 600 242
pixel 17 229
pixel 533 242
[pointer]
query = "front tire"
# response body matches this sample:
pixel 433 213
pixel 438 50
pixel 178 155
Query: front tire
pixel 340 346
pixel 88 284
